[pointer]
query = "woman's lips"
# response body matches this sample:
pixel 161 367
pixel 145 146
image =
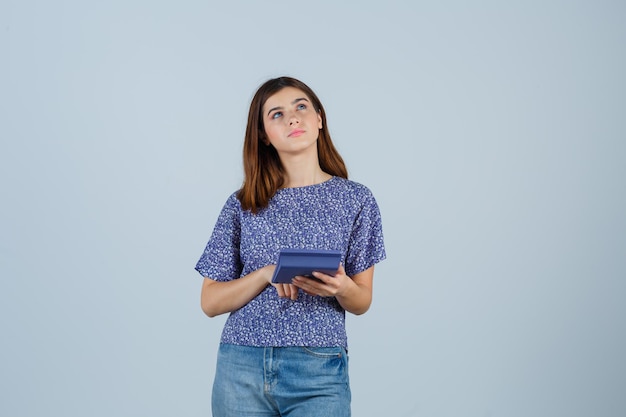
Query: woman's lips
pixel 295 133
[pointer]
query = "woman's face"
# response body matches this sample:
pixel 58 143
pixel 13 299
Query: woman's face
pixel 291 122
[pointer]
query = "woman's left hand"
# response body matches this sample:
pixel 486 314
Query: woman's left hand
pixel 324 285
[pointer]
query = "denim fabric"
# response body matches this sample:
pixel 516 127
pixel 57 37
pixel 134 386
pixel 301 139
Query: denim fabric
pixel 281 381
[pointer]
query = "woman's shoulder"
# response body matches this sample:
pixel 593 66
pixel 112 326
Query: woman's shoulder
pixel 232 202
pixel 352 187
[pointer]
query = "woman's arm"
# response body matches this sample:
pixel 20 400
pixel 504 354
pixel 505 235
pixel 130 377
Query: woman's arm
pixel 223 297
pixel 353 293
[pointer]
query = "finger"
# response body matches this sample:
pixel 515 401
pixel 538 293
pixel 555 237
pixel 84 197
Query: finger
pixel 320 276
pixel 293 291
pixel 280 290
pixel 307 283
pixel 287 290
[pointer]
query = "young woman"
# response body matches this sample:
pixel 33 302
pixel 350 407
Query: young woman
pixel 283 350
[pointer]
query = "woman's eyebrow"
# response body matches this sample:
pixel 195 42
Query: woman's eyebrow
pixel 293 102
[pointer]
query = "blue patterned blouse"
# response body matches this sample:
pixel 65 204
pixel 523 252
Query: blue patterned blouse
pixel 337 214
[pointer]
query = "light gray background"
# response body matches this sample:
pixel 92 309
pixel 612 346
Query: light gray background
pixel 492 134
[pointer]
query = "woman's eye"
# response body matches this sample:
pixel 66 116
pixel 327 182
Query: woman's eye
pixel 276 115
pixel 301 106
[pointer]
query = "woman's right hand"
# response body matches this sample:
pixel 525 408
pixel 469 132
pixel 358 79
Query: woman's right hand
pixel 219 297
pixel 284 290
pixel 287 291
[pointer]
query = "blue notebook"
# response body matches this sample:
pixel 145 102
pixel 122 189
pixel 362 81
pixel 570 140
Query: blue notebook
pixel 292 262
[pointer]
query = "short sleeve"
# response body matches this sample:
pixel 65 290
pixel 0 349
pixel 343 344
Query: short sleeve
pixel 366 247
pixel 220 260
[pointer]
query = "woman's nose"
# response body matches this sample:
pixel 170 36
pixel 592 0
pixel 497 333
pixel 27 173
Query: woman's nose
pixel 293 120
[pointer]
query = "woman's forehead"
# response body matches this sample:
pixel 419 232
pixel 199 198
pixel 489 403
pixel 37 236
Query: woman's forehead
pixel 285 96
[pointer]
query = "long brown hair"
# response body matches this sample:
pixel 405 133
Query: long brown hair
pixel 263 171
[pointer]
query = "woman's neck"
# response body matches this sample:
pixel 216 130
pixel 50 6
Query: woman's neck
pixel 302 179
pixel 301 172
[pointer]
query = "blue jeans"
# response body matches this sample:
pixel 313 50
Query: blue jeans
pixel 281 381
